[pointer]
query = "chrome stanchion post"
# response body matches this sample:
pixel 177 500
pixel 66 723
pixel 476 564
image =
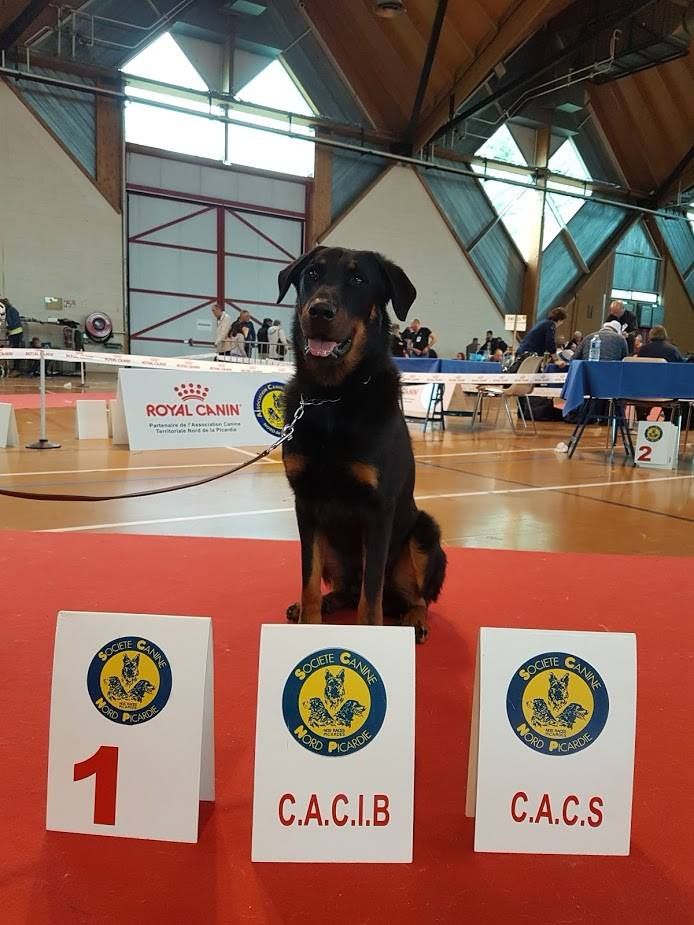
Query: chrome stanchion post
pixel 42 443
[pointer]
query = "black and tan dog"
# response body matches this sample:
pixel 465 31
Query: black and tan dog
pixel 350 461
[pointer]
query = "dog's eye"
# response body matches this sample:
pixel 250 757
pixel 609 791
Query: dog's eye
pixel 312 274
pixel 356 280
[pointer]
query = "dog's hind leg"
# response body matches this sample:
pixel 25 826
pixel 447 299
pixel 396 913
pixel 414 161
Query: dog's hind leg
pixel 408 581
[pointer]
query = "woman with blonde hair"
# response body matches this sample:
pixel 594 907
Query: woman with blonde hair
pixel 659 346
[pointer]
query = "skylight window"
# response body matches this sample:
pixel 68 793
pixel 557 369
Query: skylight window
pixel 272 87
pixel 515 205
pixel 562 208
pixel 196 134
pixel 192 134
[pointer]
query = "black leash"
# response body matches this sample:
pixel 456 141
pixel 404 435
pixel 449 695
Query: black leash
pixel 287 434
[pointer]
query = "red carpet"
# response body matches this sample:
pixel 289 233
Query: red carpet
pixel 65 398
pixel 59 879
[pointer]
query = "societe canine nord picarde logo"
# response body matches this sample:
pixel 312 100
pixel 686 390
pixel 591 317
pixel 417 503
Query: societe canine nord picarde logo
pixel 192 402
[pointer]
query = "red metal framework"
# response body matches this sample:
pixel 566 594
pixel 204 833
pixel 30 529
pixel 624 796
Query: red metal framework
pixel 242 212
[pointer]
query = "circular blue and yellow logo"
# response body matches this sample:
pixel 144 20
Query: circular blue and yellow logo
pixel 654 433
pixel 129 680
pixel 557 703
pixel 334 702
pixel 268 407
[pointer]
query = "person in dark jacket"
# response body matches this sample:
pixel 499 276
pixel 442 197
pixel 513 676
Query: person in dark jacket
pixel 659 346
pixel 627 320
pixel 15 331
pixel 263 345
pixel 542 338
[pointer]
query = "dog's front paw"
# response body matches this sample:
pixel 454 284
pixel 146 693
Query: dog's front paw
pixel 293 613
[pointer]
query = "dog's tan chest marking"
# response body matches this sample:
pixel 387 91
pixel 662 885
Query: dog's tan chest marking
pixel 365 474
pixel 294 464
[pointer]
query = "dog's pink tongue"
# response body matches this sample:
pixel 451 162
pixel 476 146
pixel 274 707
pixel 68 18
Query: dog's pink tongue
pixel 321 348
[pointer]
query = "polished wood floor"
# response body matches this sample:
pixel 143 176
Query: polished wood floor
pixel 489 489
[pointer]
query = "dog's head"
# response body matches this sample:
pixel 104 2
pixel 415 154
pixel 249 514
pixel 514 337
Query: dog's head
pixel 342 299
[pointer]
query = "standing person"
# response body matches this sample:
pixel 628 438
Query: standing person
pixel 263 345
pixel 237 340
pixel 491 344
pixel 277 341
pixel 542 337
pixel 221 334
pixel 15 330
pixel 397 345
pixel 613 344
pixel 659 346
pixel 244 320
pixel 423 340
pixel 408 335
pixel 626 319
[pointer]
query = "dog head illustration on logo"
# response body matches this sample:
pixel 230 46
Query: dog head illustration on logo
pixel 268 407
pixel 334 688
pixel 558 690
pixel 129 680
pixel 557 703
pixel 334 702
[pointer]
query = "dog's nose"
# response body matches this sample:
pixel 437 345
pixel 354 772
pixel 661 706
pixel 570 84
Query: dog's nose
pixel 322 310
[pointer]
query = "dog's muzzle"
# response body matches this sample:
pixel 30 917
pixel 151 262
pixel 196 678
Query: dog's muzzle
pixel 316 347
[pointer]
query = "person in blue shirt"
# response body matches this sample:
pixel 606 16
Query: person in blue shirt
pixel 542 338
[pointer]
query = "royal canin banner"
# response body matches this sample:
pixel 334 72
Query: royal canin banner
pixel 165 409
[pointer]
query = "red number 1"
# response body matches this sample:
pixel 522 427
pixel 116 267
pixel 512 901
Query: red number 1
pixel 103 764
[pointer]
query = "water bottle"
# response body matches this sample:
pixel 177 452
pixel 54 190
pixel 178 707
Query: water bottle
pixel 594 351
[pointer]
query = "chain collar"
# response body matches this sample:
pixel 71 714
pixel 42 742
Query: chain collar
pixel 288 429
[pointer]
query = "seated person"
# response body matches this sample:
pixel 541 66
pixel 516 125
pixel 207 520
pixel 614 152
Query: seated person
pixel 659 346
pixel 33 367
pixel 613 344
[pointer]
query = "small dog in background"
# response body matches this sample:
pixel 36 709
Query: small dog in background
pixel 350 461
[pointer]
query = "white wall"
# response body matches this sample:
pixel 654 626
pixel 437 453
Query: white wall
pixel 398 218
pixel 58 235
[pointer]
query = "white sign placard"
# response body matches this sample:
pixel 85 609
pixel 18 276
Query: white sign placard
pixel 515 322
pixel 131 749
pixel 334 753
pixel 657 445
pixel 165 409
pixel 552 742
pixel 8 426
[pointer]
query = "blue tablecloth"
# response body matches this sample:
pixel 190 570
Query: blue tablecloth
pixel 615 379
pixel 424 365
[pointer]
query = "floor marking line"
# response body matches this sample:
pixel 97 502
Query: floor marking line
pixel 165 520
pixel 271 462
pixel 534 488
pixel 282 510
pixel 219 465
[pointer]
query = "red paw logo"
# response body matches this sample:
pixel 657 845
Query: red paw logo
pixel 191 392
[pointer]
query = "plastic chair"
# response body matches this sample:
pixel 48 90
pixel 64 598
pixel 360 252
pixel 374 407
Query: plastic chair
pixel 517 390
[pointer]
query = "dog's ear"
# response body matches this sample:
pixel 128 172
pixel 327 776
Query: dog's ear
pixel 401 292
pixel 290 275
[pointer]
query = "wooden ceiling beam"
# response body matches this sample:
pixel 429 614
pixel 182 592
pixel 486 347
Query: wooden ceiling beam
pixel 19 25
pixel 609 108
pixel 525 19
pixel 376 71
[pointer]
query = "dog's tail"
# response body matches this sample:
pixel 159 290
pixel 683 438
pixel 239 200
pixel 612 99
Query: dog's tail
pixel 427 536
